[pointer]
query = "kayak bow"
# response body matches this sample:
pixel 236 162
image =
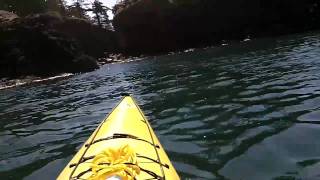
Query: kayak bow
pixel 124 146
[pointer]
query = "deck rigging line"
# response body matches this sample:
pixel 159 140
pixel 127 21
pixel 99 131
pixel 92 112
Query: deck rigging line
pixel 94 136
pixel 122 136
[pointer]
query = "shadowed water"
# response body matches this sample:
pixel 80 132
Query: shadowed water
pixel 245 111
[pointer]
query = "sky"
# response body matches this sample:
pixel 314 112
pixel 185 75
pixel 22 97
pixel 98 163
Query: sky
pixel 109 3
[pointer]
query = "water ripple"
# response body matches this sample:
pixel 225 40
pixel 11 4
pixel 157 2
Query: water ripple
pixel 249 110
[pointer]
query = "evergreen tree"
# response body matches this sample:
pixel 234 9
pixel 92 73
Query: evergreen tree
pixel 57 6
pixel 62 5
pixel 97 9
pixel 23 7
pixel 77 9
pixel 53 5
pixel 3 5
pixel 100 14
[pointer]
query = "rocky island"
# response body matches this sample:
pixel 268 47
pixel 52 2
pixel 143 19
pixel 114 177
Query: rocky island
pixel 51 37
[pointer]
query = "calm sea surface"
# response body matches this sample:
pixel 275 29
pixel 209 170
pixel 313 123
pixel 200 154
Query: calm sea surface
pixel 246 111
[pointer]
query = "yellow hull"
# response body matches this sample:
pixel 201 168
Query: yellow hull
pixel 125 126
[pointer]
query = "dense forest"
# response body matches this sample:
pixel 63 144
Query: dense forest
pixel 79 9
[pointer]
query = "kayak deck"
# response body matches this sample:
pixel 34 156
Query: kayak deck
pixel 125 126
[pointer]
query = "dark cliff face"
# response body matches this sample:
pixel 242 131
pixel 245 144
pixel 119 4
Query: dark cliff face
pixel 93 40
pixel 153 26
pixel 33 46
pixel 142 28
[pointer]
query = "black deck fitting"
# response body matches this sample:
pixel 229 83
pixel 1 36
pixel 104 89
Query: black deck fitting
pixel 125 94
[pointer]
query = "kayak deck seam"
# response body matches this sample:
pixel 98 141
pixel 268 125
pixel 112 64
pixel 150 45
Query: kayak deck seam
pixel 150 133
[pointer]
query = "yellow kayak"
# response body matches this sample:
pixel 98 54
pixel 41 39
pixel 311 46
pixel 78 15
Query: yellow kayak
pixel 124 146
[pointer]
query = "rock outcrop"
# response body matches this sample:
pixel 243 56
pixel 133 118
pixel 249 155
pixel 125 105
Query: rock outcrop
pixel 7 17
pixel 146 26
pixel 48 44
pixel 93 40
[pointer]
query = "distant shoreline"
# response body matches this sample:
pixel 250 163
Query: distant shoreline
pixel 8 83
pixel 28 80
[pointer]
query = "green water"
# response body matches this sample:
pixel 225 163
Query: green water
pixel 240 112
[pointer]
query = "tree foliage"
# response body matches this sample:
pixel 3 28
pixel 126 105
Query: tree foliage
pixel 100 14
pixel 23 7
pixel 94 11
pixel 77 9
pixel 56 5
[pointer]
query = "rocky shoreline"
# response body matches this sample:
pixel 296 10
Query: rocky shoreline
pixel 6 83
pixel 47 44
